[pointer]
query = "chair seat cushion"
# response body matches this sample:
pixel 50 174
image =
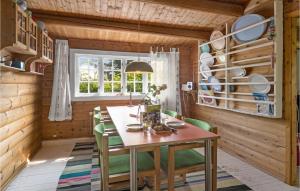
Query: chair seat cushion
pixel 115 140
pixel 183 158
pixel 121 163
pixel 109 125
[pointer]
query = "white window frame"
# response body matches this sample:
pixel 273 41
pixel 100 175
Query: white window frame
pixel 74 76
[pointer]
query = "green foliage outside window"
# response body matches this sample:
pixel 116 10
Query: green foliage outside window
pixel 83 88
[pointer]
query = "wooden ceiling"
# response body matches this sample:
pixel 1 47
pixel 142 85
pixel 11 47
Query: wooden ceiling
pixel 192 17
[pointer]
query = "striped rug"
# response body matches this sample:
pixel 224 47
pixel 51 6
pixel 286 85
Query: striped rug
pixel 82 173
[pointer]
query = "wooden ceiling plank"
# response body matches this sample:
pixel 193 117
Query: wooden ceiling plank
pixel 204 6
pixel 124 26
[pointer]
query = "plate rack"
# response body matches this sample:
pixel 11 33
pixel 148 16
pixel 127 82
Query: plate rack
pixel 263 56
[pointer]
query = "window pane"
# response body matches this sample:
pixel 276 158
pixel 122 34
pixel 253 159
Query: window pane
pixel 93 75
pixel 117 76
pixel 94 87
pixel 107 87
pixel 139 87
pixel 83 88
pixel 117 87
pixel 117 65
pixel 130 77
pixel 84 75
pixel 139 77
pixel 107 76
pixel 94 63
pixel 107 64
pixel 83 63
pixel 130 87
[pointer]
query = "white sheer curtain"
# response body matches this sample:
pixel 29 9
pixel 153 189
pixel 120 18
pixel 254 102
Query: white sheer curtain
pixel 61 108
pixel 166 71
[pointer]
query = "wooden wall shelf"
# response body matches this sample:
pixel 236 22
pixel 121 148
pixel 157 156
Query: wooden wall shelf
pixel 262 56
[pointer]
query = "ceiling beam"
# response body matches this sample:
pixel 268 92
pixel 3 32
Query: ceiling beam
pixel 210 6
pixel 100 23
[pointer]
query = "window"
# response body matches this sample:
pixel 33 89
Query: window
pixel 100 74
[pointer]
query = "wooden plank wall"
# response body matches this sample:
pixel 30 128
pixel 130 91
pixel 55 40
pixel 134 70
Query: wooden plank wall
pixel 79 126
pixel 20 132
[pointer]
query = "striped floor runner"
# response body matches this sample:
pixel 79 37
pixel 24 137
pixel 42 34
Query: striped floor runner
pixel 82 173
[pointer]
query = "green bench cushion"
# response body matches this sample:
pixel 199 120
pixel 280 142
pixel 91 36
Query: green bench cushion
pixel 121 163
pixel 183 158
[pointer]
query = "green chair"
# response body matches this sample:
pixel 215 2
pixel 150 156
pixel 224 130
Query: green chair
pixel 100 118
pixel 171 113
pixel 115 163
pixel 182 158
pixel 101 127
pixel 198 123
pixel 114 139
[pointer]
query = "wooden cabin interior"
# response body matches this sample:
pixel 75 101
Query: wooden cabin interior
pixel 99 95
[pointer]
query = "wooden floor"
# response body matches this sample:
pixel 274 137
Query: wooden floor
pixel 44 170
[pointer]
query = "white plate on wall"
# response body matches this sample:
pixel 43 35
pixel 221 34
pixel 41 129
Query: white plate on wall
pixel 219 44
pixel 250 34
pixel 238 72
pixel 265 87
pixel 217 87
pixel 207 59
pixel 205 71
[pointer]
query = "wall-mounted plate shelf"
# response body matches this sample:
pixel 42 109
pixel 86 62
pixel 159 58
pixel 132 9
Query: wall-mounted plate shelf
pixel 263 57
pixel 9 68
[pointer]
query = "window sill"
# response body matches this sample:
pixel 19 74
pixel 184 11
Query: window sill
pixel 99 98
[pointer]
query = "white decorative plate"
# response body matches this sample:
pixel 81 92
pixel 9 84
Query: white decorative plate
pixel 216 87
pixel 264 87
pixel 219 44
pixel 238 72
pixel 205 71
pixel 207 59
pixel 221 57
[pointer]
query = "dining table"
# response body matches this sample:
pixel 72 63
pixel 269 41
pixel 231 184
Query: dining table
pixel 122 116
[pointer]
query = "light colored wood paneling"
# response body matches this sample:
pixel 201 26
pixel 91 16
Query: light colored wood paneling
pixel 20 132
pixel 67 32
pixel 129 9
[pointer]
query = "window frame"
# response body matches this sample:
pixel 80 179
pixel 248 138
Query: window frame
pixel 100 95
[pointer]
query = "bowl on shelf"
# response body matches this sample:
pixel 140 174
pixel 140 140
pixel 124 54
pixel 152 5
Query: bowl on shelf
pixel 205 48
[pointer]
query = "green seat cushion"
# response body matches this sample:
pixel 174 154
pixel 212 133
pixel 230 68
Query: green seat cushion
pixel 201 124
pixel 171 113
pixel 183 158
pixel 121 163
pixel 115 140
pixel 109 125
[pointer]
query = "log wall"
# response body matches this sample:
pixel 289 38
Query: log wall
pixel 80 126
pixel 20 131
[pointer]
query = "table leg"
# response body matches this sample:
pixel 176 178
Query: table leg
pixel 208 186
pixel 133 169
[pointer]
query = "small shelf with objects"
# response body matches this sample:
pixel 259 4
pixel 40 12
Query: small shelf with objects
pixel 26 46
pixel 240 68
